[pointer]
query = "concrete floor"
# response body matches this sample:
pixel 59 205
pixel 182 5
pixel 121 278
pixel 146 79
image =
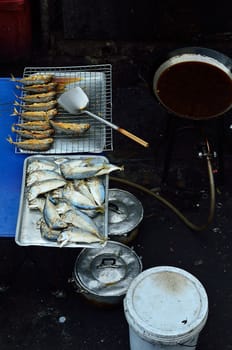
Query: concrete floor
pixel 40 308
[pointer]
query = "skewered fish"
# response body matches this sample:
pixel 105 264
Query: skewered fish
pixel 40 106
pixel 34 125
pixel 32 144
pixel 34 79
pixel 38 134
pixel 36 115
pixel 33 98
pixel 38 88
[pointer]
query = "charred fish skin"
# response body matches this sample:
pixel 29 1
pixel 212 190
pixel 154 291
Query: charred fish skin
pixel 34 125
pixel 35 98
pixel 70 128
pixel 35 78
pixel 38 88
pixel 32 144
pixel 33 134
pixel 37 106
pixel 36 115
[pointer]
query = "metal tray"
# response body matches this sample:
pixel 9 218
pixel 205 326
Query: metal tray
pixel 27 230
pixel 95 80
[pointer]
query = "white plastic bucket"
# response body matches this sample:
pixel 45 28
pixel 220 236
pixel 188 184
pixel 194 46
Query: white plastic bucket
pixel 166 308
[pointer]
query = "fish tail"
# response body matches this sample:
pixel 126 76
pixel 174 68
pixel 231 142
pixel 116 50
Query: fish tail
pixel 15 112
pixel 9 139
pixel 12 77
pixel 101 209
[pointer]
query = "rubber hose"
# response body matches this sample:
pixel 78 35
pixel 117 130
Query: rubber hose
pixel 171 206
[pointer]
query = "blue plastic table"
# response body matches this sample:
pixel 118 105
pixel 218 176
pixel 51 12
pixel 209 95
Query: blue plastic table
pixel 11 164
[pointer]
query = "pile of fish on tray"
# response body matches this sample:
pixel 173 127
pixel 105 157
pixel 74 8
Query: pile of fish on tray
pixel 38 108
pixel 69 193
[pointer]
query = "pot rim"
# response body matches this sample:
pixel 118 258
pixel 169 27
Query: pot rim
pixel 190 57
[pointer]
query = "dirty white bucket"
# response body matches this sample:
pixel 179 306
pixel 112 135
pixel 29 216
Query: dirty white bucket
pixel 166 308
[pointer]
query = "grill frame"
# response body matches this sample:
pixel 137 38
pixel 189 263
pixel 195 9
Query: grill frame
pixel 96 81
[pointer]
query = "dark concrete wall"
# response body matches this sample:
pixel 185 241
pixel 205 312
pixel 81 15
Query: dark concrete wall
pixel 144 20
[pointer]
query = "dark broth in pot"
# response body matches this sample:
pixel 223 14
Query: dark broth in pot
pixel 195 90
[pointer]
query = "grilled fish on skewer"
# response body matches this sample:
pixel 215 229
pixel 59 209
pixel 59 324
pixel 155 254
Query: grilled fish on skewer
pixel 34 98
pixel 34 125
pixel 38 88
pixel 32 144
pixel 34 79
pixel 36 115
pixel 33 134
pixel 43 106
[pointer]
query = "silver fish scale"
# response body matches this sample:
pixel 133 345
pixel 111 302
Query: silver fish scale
pixel 29 231
pixel 96 81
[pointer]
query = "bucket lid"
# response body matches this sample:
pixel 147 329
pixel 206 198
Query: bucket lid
pixel 125 212
pixel 166 304
pixel 107 271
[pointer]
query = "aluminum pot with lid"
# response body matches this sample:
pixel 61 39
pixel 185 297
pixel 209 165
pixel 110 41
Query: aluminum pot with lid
pixel 195 83
pixel 125 213
pixel 103 275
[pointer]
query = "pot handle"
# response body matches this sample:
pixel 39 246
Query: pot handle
pixel 108 262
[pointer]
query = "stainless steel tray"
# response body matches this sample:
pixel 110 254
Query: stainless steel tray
pixel 27 230
pixel 95 80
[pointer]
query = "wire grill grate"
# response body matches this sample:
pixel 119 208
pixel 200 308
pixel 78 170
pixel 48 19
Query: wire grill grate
pixel 96 81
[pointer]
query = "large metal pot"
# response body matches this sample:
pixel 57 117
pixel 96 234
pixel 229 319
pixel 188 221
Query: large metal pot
pixel 103 275
pixel 195 83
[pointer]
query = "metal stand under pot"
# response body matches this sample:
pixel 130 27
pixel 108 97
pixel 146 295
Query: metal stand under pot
pixel 195 86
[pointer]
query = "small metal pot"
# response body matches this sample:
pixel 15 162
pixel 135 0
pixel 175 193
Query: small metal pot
pixel 125 212
pixel 191 82
pixel 103 275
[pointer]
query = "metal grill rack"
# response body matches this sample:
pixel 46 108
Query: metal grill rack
pixel 96 81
